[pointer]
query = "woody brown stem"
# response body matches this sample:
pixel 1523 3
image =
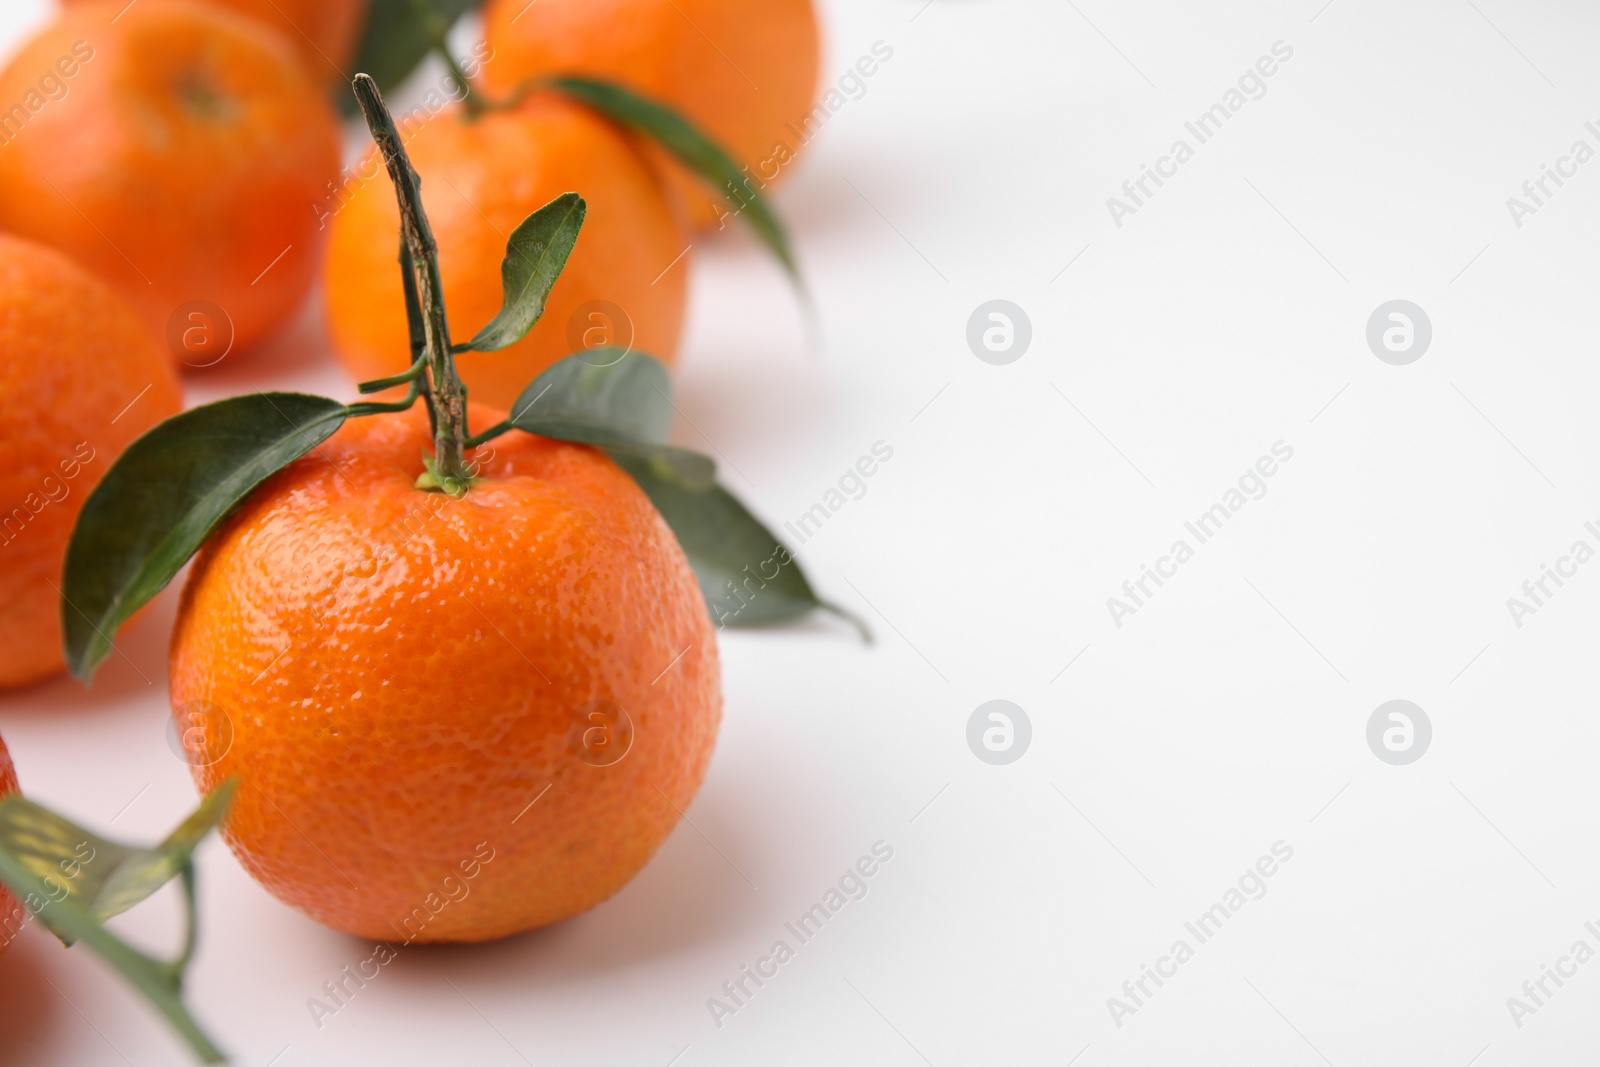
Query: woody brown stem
pixel 446 396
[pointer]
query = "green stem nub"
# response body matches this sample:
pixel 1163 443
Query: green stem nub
pixel 445 395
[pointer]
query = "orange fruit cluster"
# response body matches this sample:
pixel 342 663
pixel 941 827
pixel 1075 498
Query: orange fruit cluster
pixel 626 284
pixel 481 176
pixel 452 717
pixel 177 160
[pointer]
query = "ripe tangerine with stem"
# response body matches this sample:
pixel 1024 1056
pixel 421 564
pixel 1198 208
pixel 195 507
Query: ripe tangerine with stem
pixel 414 680
pixel 625 284
pixel 409 676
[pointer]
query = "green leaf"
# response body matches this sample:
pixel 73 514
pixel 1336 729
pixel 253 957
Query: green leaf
pixel 626 393
pixel 102 877
pixel 747 575
pixel 164 496
pixel 535 254
pixel 696 150
pixel 679 466
pixel 622 401
pixel 395 40
pixel 72 880
pixel 619 400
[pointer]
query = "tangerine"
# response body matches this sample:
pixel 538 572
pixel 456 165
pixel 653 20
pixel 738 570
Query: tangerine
pixel 743 71
pixel 174 149
pixel 453 718
pixel 625 284
pixel 79 380
pixel 323 31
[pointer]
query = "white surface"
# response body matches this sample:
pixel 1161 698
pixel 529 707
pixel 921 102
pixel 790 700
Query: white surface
pixel 1191 739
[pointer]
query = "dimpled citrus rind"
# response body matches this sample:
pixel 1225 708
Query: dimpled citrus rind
pixel 400 673
pixel 79 380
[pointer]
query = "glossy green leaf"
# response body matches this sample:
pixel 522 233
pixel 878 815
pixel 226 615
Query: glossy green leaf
pixel 395 40
pixel 679 466
pixel 747 575
pixel 102 877
pixel 535 254
pixel 164 496
pixel 72 880
pixel 619 400
pixel 694 148
pixel 627 393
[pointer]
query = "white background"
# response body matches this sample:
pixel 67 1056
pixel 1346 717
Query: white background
pixel 1228 714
